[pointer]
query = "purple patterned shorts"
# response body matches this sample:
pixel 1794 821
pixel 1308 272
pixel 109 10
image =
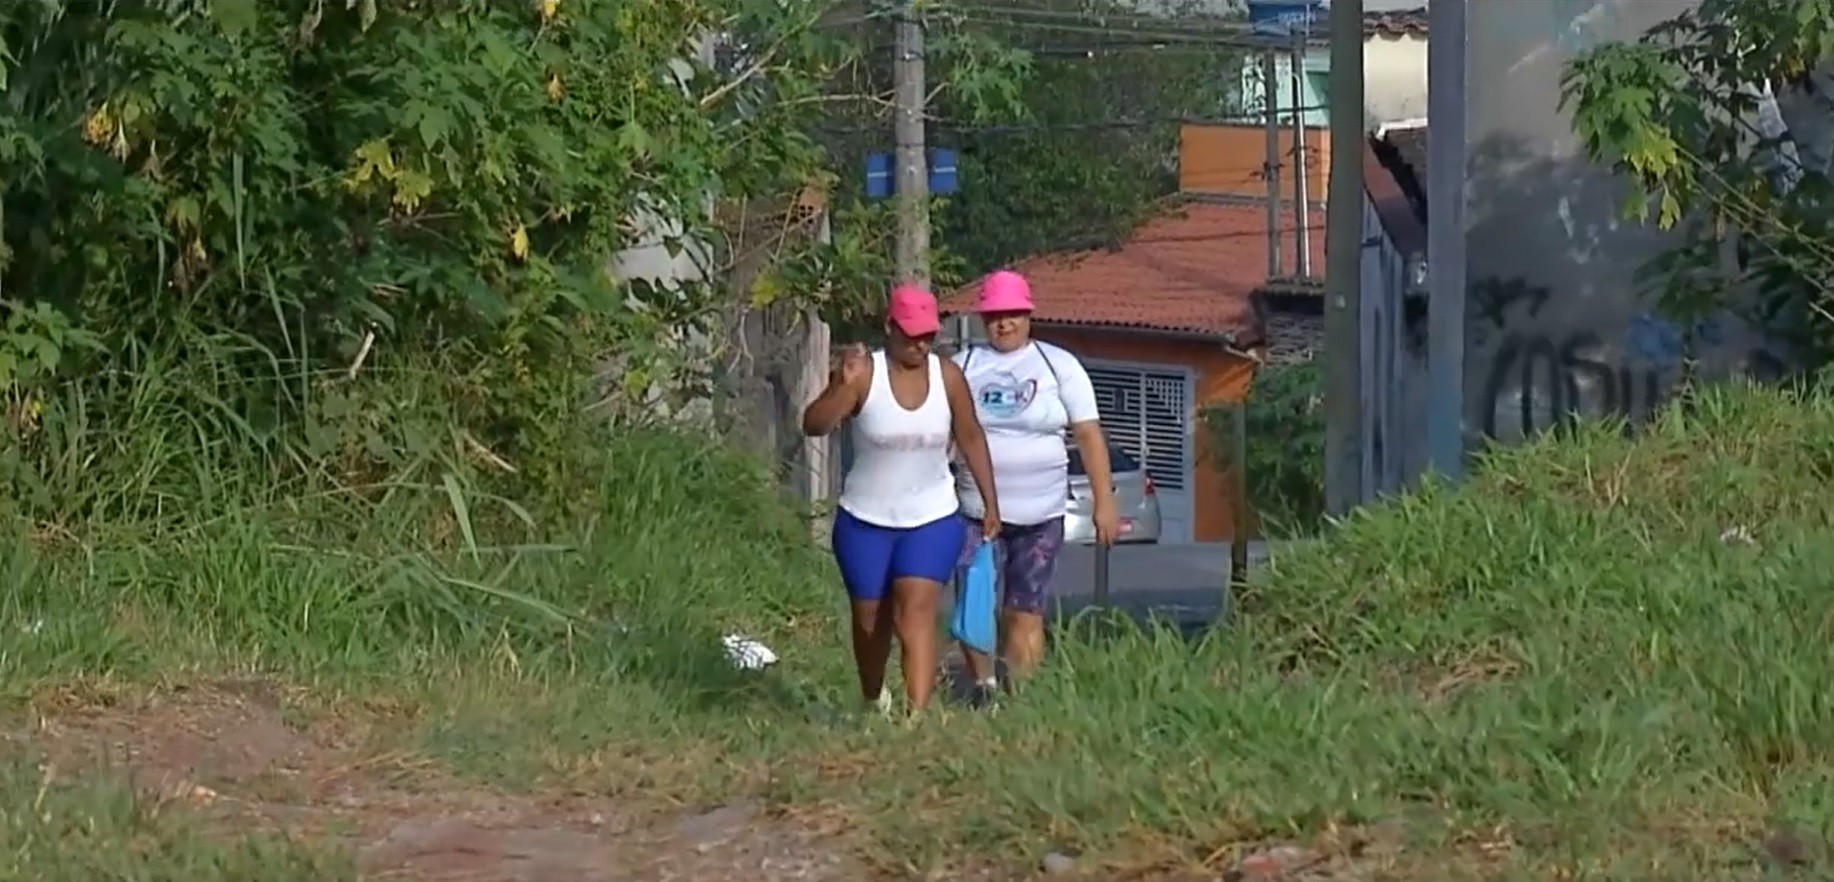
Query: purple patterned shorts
pixel 1027 558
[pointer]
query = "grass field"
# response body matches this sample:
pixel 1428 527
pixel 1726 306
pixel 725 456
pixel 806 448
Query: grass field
pixel 1599 658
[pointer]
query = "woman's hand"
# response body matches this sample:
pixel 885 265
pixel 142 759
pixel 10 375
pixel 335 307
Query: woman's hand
pixel 1107 520
pixel 854 369
pixel 1093 445
pixel 990 520
pixel 846 390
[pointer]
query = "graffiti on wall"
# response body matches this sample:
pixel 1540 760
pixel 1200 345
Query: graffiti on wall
pixel 1536 373
pixel 1540 375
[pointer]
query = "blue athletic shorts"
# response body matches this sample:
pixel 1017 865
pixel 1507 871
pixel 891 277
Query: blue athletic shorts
pixel 871 556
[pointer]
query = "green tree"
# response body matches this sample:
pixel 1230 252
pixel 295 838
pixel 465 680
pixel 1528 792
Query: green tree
pixel 1687 113
pixel 1063 114
pixel 272 194
pixel 1096 145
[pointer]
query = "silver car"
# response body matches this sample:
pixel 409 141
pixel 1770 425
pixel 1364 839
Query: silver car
pixel 1133 495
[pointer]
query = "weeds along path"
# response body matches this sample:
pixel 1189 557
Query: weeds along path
pixel 1600 657
pixel 176 778
pixel 228 779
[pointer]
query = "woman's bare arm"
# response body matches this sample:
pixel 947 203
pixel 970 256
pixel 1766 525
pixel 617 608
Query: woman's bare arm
pixel 970 439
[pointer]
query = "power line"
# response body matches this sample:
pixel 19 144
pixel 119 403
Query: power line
pixel 1101 48
pixel 1098 29
pixel 1183 24
pixel 1094 50
pixel 944 127
pixel 1242 35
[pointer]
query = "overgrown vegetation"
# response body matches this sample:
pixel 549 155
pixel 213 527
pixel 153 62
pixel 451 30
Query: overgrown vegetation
pixel 1603 655
pixel 1285 456
pixel 365 234
pixel 1599 653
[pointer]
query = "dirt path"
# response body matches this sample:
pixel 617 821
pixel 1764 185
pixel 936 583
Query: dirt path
pixel 229 751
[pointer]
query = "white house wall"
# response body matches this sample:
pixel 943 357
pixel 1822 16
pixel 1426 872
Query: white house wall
pixel 1394 78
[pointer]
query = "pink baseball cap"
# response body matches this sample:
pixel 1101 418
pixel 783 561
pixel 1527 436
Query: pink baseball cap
pixel 913 310
pixel 1004 291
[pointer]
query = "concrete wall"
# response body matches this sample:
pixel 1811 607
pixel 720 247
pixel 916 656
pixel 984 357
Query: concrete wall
pixel 1556 321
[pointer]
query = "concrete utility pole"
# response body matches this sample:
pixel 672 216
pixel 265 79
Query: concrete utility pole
pixel 1445 238
pixel 1302 203
pixel 913 175
pixel 1344 258
pixel 1270 168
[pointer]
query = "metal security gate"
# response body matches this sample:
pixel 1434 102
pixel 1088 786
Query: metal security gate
pixel 1146 412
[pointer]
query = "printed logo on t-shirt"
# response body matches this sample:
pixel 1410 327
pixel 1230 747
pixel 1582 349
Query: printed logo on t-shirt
pixel 1004 396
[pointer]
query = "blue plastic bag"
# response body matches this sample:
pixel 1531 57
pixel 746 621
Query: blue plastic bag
pixel 973 620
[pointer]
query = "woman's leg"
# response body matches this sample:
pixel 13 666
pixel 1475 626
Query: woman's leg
pixel 1031 562
pixel 864 554
pixel 921 563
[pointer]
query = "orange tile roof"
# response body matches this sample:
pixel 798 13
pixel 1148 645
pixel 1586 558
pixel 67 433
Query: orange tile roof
pixel 1193 269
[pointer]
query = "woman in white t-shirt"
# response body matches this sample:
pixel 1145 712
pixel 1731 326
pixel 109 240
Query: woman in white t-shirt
pixel 1025 393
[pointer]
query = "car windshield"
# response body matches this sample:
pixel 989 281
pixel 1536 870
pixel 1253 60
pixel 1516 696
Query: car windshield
pixel 1118 462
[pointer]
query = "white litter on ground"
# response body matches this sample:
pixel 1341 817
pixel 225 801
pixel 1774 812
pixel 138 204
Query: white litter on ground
pixel 748 654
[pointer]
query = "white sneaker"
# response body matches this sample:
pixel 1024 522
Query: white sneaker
pixel 882 704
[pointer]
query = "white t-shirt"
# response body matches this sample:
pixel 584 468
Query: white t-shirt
pixel 1025 399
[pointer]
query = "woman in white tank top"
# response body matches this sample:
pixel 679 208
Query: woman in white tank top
pixel 896 536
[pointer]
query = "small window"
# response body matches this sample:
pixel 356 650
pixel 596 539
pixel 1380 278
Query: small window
pixel 1118 462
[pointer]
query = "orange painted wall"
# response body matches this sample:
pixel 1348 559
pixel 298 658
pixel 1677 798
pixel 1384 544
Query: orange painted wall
pixel 1221 379
pixel 1226 159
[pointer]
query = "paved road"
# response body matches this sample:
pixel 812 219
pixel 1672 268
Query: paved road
pixel 1189 582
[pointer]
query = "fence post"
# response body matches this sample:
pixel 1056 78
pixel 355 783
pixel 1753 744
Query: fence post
pixel 1238 495
pixel 1102 550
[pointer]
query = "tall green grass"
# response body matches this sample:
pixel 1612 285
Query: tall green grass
pixel 155 534
pixel 1613 649
pixel 1606 653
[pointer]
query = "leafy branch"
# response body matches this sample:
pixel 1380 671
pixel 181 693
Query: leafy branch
pixel 1698 114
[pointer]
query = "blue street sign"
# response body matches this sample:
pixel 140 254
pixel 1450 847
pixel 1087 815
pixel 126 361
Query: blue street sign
pixel 943 179
pixel 880 183
pixel 878 175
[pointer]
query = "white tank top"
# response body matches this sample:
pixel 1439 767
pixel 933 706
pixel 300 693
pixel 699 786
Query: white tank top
pixel 900 474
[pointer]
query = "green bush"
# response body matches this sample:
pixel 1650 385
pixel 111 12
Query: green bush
pixel 298 191
pixel 1286 447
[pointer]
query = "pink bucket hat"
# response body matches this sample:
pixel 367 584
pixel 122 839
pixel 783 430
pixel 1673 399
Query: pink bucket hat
pixel 913 310
pixel 1004 291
